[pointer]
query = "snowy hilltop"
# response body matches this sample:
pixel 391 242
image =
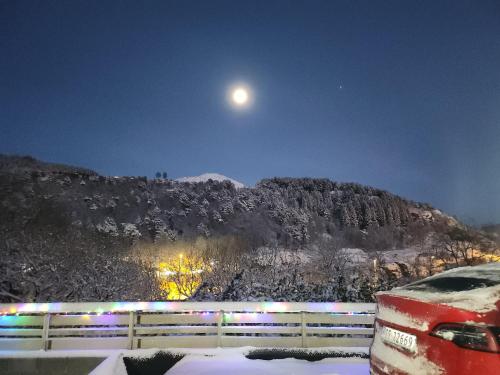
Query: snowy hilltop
pixel 211 176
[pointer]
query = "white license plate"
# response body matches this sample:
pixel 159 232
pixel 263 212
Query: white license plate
pixel 400 339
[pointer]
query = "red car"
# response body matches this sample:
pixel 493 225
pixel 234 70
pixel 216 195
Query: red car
pixel 445 324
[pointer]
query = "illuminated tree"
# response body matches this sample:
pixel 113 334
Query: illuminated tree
pixel 461 246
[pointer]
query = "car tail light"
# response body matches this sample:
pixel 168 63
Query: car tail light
pixel 475 337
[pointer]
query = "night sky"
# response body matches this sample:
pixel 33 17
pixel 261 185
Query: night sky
pixel 401 95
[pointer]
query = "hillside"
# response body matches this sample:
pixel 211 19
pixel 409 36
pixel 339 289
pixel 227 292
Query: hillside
pixel 35 196
pixel 27 165
pixel 69 234
pixel 492 231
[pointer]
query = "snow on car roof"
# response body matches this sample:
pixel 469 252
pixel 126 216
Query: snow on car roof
pixel 474 288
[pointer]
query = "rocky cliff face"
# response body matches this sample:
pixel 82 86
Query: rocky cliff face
pixel 285 211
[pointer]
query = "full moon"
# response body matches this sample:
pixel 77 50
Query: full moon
pixel 239 96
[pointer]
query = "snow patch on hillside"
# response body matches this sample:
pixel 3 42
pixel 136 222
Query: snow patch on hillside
pixel 406 255
pixel 211 176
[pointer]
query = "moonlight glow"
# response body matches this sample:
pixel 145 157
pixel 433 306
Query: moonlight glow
pixel 240 96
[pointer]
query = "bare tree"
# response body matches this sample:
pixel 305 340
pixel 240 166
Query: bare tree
pixel 333 258
pixel 461 246
pixel 60 267
pixel 225 257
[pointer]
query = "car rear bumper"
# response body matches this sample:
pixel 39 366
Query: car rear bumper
pixel 377 367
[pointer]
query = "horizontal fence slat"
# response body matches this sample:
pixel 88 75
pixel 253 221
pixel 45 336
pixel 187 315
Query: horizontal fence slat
pixel 262 329
pixel 95 332
pixel 159 330
pixel 21 320
pixel 89 329
pixel 37 332
pixel 312 341
pixel 339 331
pixel 195 318
pixel 261 318
pixel 26 343
pixel 88 320
pixel 73 343
pixel 176 342
pixel 338 318
pixel 261 341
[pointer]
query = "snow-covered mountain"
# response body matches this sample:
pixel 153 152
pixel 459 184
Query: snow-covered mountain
pixel 211 176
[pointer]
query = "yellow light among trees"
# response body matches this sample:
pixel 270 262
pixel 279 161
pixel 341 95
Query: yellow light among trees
pixel 181 276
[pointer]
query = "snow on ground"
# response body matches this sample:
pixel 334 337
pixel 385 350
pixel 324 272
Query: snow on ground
pixel 233 361
pixel 356 255
pixel 210 176
pixel 215 361
pixel 281 255
pixel 237 364
pixel 406 255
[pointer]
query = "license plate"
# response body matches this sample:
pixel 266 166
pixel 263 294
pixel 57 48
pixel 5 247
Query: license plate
pixel 399 339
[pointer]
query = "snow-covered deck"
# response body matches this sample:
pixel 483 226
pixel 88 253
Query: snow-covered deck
pixel 215 361
pixel 238 364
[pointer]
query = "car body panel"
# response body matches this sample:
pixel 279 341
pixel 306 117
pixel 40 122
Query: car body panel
pixel 434 355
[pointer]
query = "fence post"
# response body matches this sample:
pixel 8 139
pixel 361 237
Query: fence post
pixel 303 328
pixel 131 322
pixel 45 331
pixel 219 328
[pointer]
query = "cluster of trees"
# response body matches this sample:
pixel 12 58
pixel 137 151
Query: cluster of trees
pixel 292 212
pixel 62 266
pixel 350 204
pixel 235 270
pixel 462 246
pixel 277 274
pixel 58 266
pixel 163 175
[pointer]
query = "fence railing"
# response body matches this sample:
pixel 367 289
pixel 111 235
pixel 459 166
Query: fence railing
pixel 132 325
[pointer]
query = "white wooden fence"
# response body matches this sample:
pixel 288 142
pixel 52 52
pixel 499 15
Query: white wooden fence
pixel 131 325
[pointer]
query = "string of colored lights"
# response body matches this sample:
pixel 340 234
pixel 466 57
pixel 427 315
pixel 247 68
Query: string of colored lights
pixel 204 308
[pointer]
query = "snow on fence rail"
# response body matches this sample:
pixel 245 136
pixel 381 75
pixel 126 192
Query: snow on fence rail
pixel 132 325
